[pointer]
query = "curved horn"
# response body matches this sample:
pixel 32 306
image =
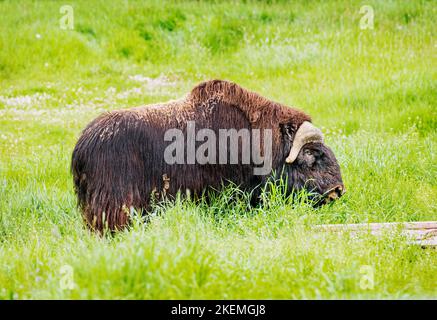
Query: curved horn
pixel 306 133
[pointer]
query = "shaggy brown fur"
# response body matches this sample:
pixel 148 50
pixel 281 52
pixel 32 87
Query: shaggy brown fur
pixel 118 162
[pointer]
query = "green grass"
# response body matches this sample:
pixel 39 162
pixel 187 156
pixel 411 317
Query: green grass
pixel 373 92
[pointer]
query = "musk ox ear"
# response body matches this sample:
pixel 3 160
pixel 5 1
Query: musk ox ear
pixel 287 130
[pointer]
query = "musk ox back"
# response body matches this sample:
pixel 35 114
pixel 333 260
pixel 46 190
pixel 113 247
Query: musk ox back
pixel 218 133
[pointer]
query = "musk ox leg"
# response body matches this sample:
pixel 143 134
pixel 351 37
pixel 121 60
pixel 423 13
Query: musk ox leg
pixel 109 173
pixel 107 197
pixel 106 212
pixel 104 206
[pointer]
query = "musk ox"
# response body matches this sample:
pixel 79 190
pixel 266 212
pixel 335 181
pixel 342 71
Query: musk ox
pixel 126 158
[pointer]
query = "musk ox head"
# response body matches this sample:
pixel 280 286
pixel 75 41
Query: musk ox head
pixel 310 164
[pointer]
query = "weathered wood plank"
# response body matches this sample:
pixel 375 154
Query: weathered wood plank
pixel 423 233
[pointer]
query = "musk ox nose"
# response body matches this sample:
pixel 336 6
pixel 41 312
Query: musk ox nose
pixel 334 193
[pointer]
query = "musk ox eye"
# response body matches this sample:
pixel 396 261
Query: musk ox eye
pixel 309 157
pixel 307 152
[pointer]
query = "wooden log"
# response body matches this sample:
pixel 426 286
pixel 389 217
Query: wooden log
pixel 422 233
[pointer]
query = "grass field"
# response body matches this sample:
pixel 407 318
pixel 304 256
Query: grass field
pixel 372 91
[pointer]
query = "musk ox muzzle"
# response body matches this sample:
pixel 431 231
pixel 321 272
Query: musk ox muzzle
pixel 121 160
